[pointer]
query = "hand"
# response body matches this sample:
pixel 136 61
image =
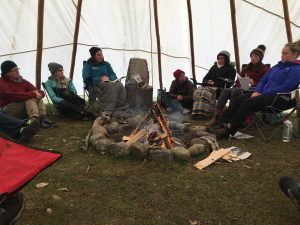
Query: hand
pixel 255 94
pixel 179 98
pixel 251 82
pixel 38 95
pixel 104 78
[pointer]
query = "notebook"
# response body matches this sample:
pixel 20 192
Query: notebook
pixel 244 81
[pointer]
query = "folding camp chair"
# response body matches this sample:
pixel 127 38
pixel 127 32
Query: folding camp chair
pixel 267 130
pixel 51 104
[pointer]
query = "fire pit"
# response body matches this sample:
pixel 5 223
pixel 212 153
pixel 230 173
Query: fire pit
pixel 153 136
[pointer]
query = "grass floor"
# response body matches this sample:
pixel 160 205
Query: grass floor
pixel 118 191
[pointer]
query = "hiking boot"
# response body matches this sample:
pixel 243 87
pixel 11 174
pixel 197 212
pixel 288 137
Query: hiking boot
pixel 46 123
pixel 27 132
pixel 213 121
pixel 221 133
pixel 11 209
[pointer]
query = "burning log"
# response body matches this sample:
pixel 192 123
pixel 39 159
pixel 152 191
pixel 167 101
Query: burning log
pixel 152 129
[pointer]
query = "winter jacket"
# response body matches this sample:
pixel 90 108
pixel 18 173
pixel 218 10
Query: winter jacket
pixel 94 71
pixel 14 91
pixel 283 77
pixel 217 75
pixel 185 89
pixel 51 85
pixel 254 72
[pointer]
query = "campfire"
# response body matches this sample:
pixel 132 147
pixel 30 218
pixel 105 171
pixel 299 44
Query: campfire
pixel 152 130
pixel 152 136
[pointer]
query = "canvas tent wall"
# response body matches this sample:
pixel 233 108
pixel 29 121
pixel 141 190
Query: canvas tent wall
pixel 126 28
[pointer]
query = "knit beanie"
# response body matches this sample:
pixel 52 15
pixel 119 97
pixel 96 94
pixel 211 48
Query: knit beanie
pixel 258 52
pixel 177 73
pixel 6 66
pixel 53 67
pixel 94 50
pixel 226 54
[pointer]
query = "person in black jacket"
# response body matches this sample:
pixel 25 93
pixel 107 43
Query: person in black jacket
pixel 221 75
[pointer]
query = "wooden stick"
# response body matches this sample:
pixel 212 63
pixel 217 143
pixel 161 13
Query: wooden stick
pixel 137 137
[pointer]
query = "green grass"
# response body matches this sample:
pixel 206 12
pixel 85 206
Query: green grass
pixel 128 192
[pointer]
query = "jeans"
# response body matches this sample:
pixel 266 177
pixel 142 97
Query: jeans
pixel 9 124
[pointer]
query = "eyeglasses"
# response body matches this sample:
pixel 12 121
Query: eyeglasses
pixel 14 70
pixel 60 70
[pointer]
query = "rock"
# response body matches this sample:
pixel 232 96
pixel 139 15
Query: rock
pixel 112 127
pixel 201 141
pixel 181 154
pixel 197 128
pixel 173 125
pixel 94 138
pixel 161 155
pixel 197 149
pixel 204 133
pixel 119 149
pixel 139 150
pixel 102 143
pixel 133 122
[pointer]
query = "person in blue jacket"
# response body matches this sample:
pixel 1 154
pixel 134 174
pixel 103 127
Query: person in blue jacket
pixel 63 93
pixel 112 94
pixel 283 77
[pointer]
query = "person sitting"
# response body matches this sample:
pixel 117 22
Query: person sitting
pixel 255 70
pixel 112 94
pixel 19 97
pixel 20 130
pixel 216 79
pixel 281 78
pixel 63 93
pixel 180 98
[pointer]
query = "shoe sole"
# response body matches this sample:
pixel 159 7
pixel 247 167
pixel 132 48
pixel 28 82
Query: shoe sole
pixel 30 131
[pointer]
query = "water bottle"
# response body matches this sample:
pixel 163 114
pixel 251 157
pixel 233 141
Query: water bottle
pixel 287 131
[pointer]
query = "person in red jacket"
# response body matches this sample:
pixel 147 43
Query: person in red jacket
pixel 19 97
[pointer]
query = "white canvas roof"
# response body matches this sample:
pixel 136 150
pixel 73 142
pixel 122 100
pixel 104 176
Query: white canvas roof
pixel 126 29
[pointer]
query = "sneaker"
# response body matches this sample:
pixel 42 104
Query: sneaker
pixel 11 209
pixel 27 132
pixel 45 125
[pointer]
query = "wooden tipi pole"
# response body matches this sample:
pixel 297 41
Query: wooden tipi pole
pixel 75 38
pixel 235 36
pixel 39 48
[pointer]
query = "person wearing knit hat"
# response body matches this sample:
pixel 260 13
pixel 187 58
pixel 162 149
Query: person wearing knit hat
pixel 63 93
pixel 113 95
pixel 258 52
pixel 180 97
pixel 226 54
pixel 220 75
pixel 94 50
pixel 7 66
pixel 19 98
pixel 53 67
pixel 254 71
